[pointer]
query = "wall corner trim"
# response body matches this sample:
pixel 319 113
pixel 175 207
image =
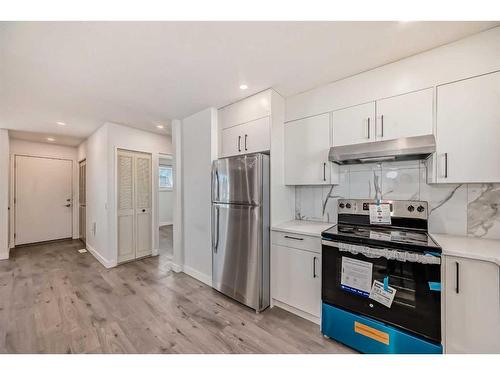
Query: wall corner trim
pixel 204 278
pixel 105 262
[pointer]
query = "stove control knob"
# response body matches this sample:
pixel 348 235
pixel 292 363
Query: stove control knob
pixel 348 205
pixel 411 208
pixel 420 208
pixel 341 205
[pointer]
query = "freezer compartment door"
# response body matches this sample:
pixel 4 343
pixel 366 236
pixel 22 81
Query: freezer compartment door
pixel 238 179
pixel 237 254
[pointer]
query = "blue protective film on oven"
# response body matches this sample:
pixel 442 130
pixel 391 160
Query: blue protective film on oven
pixel 435 286
pixel 386 283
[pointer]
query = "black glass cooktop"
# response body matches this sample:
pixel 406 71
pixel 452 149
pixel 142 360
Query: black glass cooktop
pixel 382 236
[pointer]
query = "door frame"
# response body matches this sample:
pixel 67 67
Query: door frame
pixel 13 187
pixel 84 160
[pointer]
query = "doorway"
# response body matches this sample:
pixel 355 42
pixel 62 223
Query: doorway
pixel 166 205
pixel 82 196
pixel 43 194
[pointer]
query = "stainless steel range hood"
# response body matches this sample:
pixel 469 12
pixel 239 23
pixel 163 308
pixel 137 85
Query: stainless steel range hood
pixel 411 148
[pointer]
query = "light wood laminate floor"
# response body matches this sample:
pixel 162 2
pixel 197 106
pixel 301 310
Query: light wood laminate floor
pixel 55 300
pixel 166 240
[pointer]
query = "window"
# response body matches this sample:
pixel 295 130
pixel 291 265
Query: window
pixel 166 178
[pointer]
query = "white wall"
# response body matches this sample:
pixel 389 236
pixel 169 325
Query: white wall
pixel 120 136
pixel 4 194
pixel 100 151
pixel 95 150
pixel 22 147
pixel 477 54
pixel 165 200
pixel 199 148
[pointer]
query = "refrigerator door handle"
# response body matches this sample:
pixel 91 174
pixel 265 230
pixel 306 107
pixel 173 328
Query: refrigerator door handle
pixel 217 182
pixel 216 231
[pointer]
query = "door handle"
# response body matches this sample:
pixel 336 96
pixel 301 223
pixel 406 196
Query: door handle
pixel 143 210
pixel 239 143
pixel 314 267
pixel 217 182
pixel 246 136
pixel 368 128
pixel 382 126
pixel 68 205
pixel 457 281
pixel 324 171
pixel 216 229
pixel 445 165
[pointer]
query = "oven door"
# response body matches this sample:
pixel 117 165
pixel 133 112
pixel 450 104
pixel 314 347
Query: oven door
pixel 416 307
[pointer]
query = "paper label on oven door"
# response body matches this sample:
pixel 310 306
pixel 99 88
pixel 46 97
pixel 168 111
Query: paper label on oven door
pixel 356 276
pixel 381 295
pixel 380 213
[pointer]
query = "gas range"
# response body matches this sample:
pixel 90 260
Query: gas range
pixel 407 231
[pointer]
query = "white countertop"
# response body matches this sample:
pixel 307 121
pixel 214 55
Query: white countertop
pixel 469 247
pixel 304 227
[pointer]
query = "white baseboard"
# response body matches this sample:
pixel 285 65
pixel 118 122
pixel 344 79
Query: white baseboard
pixel 293 310
pixel 176 267
pixel 105 262
pixel 204 278
pixel 163 223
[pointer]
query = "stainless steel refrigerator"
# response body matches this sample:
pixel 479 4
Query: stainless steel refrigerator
pixel 240 229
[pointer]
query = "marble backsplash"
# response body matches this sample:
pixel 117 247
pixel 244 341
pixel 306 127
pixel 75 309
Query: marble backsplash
pixel 464 209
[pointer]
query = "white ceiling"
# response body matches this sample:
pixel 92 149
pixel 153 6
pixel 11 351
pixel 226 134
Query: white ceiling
pixel 145 73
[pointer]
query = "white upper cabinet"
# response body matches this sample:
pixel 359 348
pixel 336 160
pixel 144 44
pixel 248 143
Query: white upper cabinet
pixel 253 136
pixel 472 306
pixel 245 126
pixel 251 108
pixel 405 115
pixel 468 130
pixel 354 125
pixel 307 143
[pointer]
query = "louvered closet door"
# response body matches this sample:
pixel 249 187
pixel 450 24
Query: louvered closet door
pixel 143 215
pixel 125 206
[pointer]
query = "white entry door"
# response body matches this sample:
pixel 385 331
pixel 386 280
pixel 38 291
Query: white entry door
pixel 134 205
pixel 42 199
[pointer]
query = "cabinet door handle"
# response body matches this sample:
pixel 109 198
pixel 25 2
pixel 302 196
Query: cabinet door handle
pixel 457 281
pixel 368 128
pixel 382 126
pixel 314 268
pixel 445 165
pixel 324 171
pixel 246 142
pixel 239 143
pixel 294 238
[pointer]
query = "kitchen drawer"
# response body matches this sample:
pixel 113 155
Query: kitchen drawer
pixel 298 241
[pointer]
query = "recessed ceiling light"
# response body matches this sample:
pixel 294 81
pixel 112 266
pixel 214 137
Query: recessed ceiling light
pixel 50 139
pixel 160 126
pixel 243 87
pixel 61 123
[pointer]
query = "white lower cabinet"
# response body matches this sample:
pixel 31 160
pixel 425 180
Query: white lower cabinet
pixel 472 306
pixel 296 279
